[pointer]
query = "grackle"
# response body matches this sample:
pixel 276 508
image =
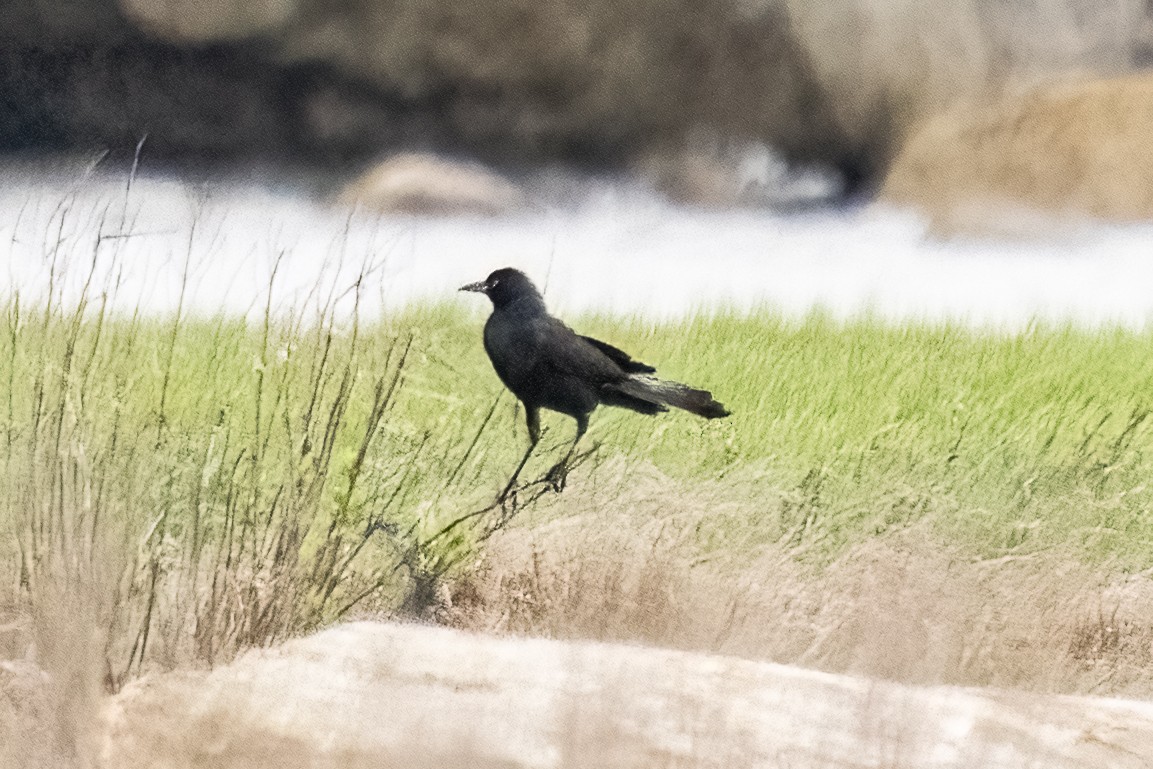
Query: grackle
pixel 548 365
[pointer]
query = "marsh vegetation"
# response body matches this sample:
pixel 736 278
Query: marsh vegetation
pixel 201 485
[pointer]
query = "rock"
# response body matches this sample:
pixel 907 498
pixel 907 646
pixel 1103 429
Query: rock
pixel 719 174
pixel 834 84
pixel 209 21
pixel 1069 151
pixel 371 694
pixel 427 185
pixel 62 22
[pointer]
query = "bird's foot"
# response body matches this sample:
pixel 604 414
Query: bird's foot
pixel 507 497
pixel 557 475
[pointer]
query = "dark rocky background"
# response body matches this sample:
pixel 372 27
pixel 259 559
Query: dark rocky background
pixel 595 83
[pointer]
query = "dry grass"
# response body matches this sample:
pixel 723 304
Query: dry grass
pixel 622 561
pixel 156 512
pixel 903 606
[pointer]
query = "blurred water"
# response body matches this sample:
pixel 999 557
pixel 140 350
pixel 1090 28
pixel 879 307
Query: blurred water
pixel 613 249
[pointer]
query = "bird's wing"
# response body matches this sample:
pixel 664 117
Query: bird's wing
pixel 620 357
pixel 564 350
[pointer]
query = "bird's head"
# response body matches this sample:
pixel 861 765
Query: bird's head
pixel 504 286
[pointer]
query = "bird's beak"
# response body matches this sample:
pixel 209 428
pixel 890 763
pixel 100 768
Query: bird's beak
pixel 480 287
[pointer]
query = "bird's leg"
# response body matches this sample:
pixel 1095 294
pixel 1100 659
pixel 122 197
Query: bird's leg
pixel 558 473
pixel 532 418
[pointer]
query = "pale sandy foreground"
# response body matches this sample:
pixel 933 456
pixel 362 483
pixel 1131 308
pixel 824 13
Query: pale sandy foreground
pixel 391 695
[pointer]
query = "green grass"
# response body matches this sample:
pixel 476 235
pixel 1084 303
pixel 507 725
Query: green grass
pixel 254 481
pixel 1006 442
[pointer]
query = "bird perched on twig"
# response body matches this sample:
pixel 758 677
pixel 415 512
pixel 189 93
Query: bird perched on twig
pixel 548 365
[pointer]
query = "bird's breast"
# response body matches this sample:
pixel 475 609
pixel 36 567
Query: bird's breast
pixel 513 348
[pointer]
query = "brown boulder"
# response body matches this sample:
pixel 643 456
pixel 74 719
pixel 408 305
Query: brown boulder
pixel 1082 149
pixel 427 185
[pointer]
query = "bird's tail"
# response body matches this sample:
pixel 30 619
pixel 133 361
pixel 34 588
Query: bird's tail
pixel 668 393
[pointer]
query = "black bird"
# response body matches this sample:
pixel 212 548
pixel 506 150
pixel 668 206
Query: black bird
pixel 548 365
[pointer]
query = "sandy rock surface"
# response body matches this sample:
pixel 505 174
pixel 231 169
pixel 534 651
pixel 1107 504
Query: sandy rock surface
pixel 371 694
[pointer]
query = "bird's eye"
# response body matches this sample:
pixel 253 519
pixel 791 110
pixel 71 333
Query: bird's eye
pixel 492 284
